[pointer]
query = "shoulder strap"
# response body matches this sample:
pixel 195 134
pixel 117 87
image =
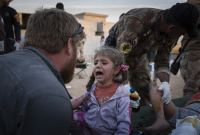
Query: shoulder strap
pixel 146 33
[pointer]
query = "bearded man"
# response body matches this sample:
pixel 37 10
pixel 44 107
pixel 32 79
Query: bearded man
pixel 34 99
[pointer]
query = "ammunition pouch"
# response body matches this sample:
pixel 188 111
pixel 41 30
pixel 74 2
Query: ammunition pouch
pixel 175 67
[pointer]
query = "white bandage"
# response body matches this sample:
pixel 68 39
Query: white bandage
pixel 188 126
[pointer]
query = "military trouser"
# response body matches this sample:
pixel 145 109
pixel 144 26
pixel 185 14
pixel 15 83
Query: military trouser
pixel 190 71
pixel 80 50
pixel 139 77
pixel 10 45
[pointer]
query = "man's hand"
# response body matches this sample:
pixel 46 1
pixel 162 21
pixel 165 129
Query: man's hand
pixel 77 102
pixel 165 88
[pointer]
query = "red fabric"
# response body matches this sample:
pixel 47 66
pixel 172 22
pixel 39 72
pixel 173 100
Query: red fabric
pixel 104 93
pixel 196 97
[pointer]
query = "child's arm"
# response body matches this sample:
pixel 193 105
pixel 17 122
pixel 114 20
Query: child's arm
pixel 123 117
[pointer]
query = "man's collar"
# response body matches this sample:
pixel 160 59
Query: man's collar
pixel 37 51
pixel 49 64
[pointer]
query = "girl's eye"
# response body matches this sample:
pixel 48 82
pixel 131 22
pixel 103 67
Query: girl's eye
pixel 95 63
pixel 104 63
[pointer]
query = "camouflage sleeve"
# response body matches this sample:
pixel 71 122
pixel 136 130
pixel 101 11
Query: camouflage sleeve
pixel 128 31
pixel 162 56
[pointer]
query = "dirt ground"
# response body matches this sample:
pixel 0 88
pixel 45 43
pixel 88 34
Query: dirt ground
pixel 77 86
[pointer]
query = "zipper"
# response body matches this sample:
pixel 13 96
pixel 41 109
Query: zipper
pixel 99 107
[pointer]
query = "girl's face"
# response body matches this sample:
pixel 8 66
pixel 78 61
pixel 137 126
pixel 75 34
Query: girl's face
pixel 104 70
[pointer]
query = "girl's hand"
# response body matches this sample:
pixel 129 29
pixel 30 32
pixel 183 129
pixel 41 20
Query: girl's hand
pixel 77 102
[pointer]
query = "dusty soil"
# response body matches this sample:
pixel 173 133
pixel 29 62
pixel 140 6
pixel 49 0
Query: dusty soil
pixel 79 82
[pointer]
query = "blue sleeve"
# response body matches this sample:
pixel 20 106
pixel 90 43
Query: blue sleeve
pixel 123 117
pixel 45 115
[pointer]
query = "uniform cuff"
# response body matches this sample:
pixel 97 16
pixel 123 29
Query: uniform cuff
pixel 162 70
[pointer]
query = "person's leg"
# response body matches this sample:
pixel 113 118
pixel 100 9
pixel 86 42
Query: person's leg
pixel 190 72
pixel 161 110
pixel 139 79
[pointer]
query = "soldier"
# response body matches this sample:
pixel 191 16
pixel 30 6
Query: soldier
pixel 190 61
pixel 11 17
pixel 144 30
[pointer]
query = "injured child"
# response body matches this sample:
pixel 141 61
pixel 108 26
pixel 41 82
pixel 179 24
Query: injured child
pixel 186 119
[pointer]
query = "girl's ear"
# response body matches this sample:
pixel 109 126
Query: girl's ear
pixel 117 69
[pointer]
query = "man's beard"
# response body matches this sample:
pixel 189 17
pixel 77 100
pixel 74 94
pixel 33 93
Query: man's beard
pixel 68 71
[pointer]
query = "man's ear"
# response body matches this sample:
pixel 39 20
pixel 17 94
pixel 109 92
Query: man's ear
pixel 171 28
pixel 68 46
pixel 117 69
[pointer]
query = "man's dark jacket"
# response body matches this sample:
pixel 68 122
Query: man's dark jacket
pixel 11 18
pixel 33 97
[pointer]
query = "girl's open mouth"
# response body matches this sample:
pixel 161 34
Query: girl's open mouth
pixel 99 74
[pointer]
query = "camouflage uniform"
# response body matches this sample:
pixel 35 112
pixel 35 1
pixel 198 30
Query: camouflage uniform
pixel 136 45
pixel 190 61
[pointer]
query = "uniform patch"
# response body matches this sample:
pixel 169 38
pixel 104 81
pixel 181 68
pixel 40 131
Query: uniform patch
pixel 7 14
pixel 125 47
pixel 135 41
pixel 17 17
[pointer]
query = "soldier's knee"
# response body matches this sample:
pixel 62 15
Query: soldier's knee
pixel 141 82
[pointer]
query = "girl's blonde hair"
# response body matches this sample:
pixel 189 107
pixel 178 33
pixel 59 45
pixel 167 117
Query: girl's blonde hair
pixel 117 58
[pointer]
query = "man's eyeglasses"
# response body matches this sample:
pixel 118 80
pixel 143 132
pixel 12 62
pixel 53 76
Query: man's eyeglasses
pixel 80 30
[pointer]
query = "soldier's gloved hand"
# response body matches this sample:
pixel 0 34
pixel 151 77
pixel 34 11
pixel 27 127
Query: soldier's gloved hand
pixel 16 45
pixel 165 88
